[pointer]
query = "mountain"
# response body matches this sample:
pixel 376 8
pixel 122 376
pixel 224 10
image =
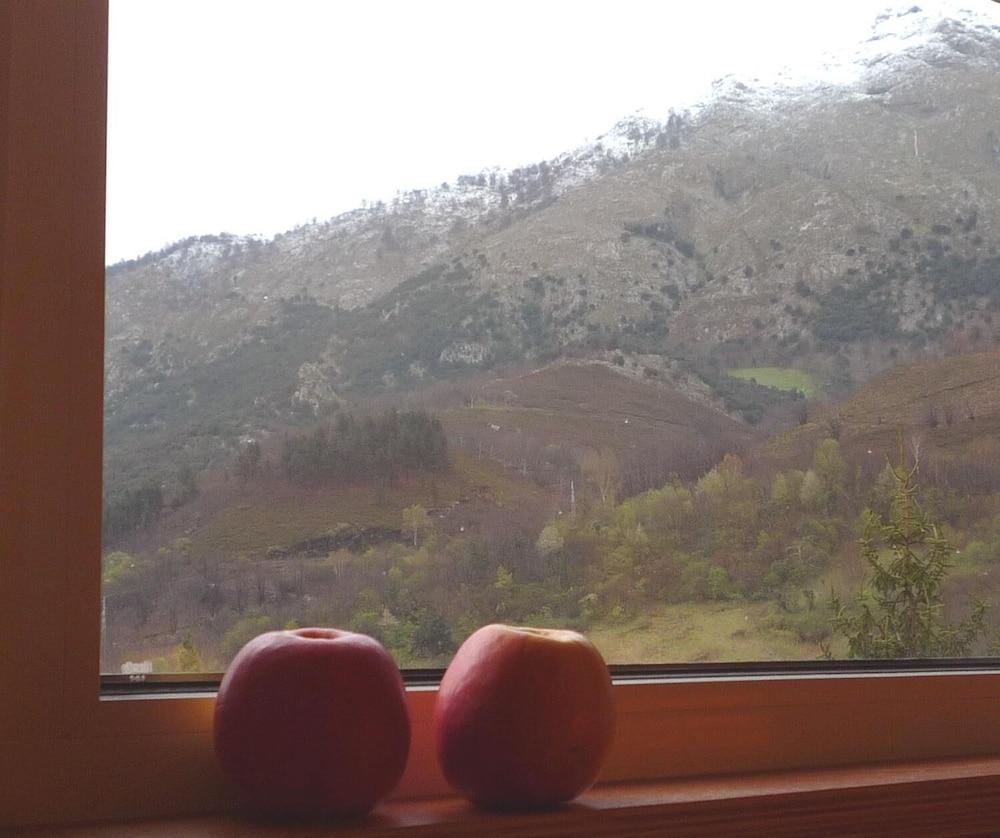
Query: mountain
pixel 838 225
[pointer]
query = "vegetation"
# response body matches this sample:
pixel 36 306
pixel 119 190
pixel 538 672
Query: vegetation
pixel 899 613
pixel 163 429
pixel 660 231
pixel 788 379
pixel 408 334
pixel 747 397
pixel 856 311
pixel 239 464
pixel 738 554
pixel 128 509
pixel 374 448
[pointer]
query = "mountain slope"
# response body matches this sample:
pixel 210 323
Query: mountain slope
pixel 837 225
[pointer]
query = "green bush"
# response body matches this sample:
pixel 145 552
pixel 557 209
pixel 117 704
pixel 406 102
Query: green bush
pixel 243 631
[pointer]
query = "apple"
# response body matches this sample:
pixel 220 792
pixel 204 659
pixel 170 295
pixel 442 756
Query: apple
pixel 312 722
pixel 524 717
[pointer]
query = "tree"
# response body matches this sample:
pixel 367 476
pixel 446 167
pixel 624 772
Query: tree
pixel 188 659
pixel 243 631
pixel 781 495
pixel 248 461
pixel 504 586
pixel 187 485
pixel 811 491
pixel 729 499
pixel 830 468
pixel 601 466
pixel 117 569
pixel 431 635
pixel 549 541
pixel 416 520
pixel 719 586
pixel 898 612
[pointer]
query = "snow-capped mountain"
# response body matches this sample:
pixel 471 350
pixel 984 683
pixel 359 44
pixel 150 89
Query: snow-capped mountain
pixel 840 219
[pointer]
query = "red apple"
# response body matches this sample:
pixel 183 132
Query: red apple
pixel 524 716
pixel 313 722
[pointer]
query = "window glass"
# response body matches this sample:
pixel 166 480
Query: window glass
pixel 673 325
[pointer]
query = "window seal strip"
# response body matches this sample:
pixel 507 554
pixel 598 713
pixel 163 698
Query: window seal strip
pixel 167 685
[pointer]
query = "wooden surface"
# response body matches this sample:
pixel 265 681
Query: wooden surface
pixel 942 798
pixel 68 756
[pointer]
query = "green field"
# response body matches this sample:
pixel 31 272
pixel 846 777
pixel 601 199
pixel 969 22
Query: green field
pixel 780 378
pixel 702 631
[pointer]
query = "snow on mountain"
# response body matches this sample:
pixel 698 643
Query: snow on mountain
pixel 901 40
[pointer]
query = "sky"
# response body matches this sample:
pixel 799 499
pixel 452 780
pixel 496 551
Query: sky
pixel 253 116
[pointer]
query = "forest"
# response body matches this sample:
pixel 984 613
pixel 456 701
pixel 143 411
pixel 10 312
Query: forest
pixel 376 447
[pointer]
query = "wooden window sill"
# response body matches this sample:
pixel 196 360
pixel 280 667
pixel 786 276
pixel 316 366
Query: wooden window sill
pixel 944 797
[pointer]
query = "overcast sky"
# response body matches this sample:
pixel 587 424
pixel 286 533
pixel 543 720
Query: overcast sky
pixel 251 116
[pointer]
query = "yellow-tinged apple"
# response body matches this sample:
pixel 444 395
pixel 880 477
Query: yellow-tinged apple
pixel 524 717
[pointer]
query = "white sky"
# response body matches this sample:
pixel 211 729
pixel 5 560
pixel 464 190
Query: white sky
pixel 251 116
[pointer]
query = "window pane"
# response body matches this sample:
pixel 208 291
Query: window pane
pixel 675 327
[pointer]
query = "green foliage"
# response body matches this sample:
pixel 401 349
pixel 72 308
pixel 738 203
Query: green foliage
pixel 188 659
pixel 185 486
pixel 808 624
pixel 369 622
pixel 855 312
pixel 899 611
pixel 377 447
pixel 661 231
pixel 811 491
pixel 693 583
pixel 128 509
pixel 957 278
pixel 550 541
pixel 982 552
pixel 740 534
pixel 243 631
pixel 504 579
pixel 719 585
pixel 117 568
pixel 788 379
pixel 431 635
pixel 163 425
pixel 416 521
pixel 750 399
pixel 831 473
pixel 401 339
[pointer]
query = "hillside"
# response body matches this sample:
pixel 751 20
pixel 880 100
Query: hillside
pixel 734 561
pixel 568 413
pixel 658 378
pixel 951 392
pixel 835 225
pixel 515 442
pixel 948 409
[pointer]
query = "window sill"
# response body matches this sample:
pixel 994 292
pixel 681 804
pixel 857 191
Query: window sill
pixel 942 797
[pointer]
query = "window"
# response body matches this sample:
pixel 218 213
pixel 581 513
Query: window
pixel 648 386
pixel 78 756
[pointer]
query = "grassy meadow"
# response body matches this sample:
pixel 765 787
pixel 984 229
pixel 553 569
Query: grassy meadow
pixel 780 378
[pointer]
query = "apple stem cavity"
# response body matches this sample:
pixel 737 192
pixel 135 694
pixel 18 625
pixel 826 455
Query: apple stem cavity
pixel 318 633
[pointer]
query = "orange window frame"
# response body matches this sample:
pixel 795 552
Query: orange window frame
pixel 67 754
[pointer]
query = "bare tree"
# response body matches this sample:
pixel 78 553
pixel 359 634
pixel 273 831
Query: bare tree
pixel 602 469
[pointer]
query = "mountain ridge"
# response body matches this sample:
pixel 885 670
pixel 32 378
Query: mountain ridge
pixel 844 226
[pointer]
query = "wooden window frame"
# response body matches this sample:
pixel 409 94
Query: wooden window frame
pixel 66 754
